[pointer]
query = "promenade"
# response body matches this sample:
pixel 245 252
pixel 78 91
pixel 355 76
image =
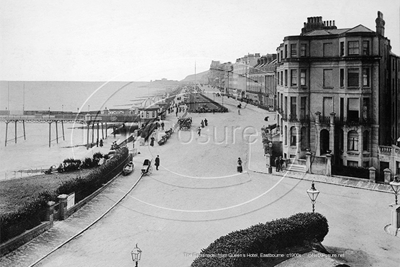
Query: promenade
pixel 197 196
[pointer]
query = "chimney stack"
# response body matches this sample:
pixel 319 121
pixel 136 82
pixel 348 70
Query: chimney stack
pixel 380 24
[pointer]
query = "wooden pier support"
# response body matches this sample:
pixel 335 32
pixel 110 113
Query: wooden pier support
pixel 49 134
pixel 6 133
pixel 62 125
pixel 23 125
pixel 56 132
pixel 92 132
pixel 15 133
pixel 97 142
pixel 88 129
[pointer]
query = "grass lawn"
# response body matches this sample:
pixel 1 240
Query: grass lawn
pixel 15 192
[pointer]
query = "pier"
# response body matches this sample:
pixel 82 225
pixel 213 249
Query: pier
pixel 94 122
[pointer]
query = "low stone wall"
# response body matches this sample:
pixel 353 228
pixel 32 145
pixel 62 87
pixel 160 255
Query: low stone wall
pixel 25 237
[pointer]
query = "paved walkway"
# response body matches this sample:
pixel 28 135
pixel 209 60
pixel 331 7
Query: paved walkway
pixel 174 215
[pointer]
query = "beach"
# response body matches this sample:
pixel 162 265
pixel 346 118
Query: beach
pixel 27 157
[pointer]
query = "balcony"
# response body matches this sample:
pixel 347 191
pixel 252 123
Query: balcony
pixel 304 119
pixel 353 121
pixel 293 118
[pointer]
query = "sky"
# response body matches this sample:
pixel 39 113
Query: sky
pixel 136 40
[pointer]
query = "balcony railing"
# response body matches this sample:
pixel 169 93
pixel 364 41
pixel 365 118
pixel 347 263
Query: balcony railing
pixel 353 121
pixel 293 118
pixel 304 119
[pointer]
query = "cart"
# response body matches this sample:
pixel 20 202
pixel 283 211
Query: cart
pixel 146 168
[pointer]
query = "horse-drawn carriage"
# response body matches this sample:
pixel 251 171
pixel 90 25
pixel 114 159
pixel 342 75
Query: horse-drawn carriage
pixel 146 168
pixel 185 123
pixel 128 168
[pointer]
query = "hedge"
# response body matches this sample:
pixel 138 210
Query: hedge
pixel 28 216
pixel 233 249
pixel 359 172
pixel 32 213
pixel 84 186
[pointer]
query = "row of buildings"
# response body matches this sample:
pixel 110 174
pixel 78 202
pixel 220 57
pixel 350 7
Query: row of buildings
pixel 334 90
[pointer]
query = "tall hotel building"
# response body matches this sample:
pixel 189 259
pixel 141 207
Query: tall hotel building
pixel 334 92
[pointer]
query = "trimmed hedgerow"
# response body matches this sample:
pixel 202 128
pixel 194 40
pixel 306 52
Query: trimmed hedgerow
pixel 235 248
pixel 84 186
pixel 25 218
pixel 31 214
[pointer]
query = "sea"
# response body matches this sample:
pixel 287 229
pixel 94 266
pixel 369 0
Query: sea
pixel 31 155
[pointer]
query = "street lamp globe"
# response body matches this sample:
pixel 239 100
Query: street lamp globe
pixel 136 254
pixel 313 194
pixel 395 184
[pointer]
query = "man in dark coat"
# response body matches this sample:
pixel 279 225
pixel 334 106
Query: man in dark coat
pixel 157 162
pixel 277 164
pixel 206 122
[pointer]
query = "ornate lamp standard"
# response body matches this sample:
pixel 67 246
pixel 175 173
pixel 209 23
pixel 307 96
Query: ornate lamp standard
pixel 395 184
pixel 313 194
pixel 394 227
pixel 136 254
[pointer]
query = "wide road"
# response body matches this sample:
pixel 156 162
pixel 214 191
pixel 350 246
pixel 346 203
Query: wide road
pixel 197 196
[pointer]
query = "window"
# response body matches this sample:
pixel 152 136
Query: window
pixel 354 48
pixel 365 141
pixel 352 77
pixel 293 50
pixel 341 108
pixel 147 114
pixel 365 76
pixel 285 105
pixel 286 77
pixel 293 107
pixel 293 77
pixel 281 77
pixel 341 49
pixel 366 48
pixel 303 74
pixel 352 141
pixel 397 167
pixel 341 78
pixel 303 105
pixel 281 55
pixel 285 135
pixel 352 163
pixel 278 78
pixel 303 50
pixel 285 51
pixel 353 109
pixel 328 79
pixel 293 136
pixel 365 109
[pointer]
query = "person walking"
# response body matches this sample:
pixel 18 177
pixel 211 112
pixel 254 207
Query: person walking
pixel 199 130
pixel 206 122
pixel 277 164
pixel 152 141
pixel 239 167
pixel 157 162
pixel 202 124
pixel 162 125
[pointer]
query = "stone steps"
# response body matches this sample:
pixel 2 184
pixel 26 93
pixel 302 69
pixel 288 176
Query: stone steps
pixel 296 168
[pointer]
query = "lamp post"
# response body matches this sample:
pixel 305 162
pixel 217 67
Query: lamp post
pixel 395 184
pixel 136 254
pixel 269 157
pixel 49 112
pixel 313 194
pixel 62 110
